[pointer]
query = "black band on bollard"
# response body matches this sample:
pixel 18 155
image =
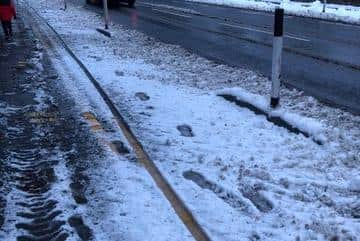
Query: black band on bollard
pixel 279 22
pixel 274 102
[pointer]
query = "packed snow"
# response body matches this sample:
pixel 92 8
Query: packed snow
pixel 315 9
pixel 241 176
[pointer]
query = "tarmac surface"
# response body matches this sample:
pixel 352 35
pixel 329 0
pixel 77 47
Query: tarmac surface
pixel 320 57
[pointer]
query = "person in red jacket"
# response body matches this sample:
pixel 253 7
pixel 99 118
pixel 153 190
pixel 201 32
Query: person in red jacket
pixel 7 13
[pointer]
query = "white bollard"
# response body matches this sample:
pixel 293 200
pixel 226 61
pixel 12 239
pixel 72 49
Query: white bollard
pixel 106 13
pixel 276 58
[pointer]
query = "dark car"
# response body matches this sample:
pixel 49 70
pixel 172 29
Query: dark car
pixel 131 3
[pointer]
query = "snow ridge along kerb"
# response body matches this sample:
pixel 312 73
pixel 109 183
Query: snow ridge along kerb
pixel 176 202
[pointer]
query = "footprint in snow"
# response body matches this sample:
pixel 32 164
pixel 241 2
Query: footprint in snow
pixel 119 73
pixel 119 147
pixel 84 232
pixel 185 130
pixel 142 96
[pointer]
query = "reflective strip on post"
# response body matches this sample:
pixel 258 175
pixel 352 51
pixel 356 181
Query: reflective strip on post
pixel 276 58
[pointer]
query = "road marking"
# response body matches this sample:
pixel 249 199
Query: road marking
pixel 170 7
pixel 246 28
pixel 297 38
pixel 93 122
pixel 42 117
pixel 263 31
pixel 176 14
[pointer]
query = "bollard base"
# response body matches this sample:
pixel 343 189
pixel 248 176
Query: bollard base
pixel 277 120
pixel 104 32
pixel 274 102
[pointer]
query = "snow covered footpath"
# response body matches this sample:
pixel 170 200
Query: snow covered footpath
pixel 335 12
pixel 123 201
pixel 243 177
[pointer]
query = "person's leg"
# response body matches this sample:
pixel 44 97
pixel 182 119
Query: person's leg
pixel 3 24
pixel 7 27
pixel 10 28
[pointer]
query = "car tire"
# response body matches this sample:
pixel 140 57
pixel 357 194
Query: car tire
pixel 94 2
pixel 131 3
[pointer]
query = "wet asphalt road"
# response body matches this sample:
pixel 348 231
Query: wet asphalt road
pixel 322 58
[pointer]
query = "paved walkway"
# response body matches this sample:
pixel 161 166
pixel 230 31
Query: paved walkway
pixel 35 135
pixel 66 171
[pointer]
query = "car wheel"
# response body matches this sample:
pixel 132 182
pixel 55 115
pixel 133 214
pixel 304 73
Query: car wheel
pixel 131 3
pixel 94 2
